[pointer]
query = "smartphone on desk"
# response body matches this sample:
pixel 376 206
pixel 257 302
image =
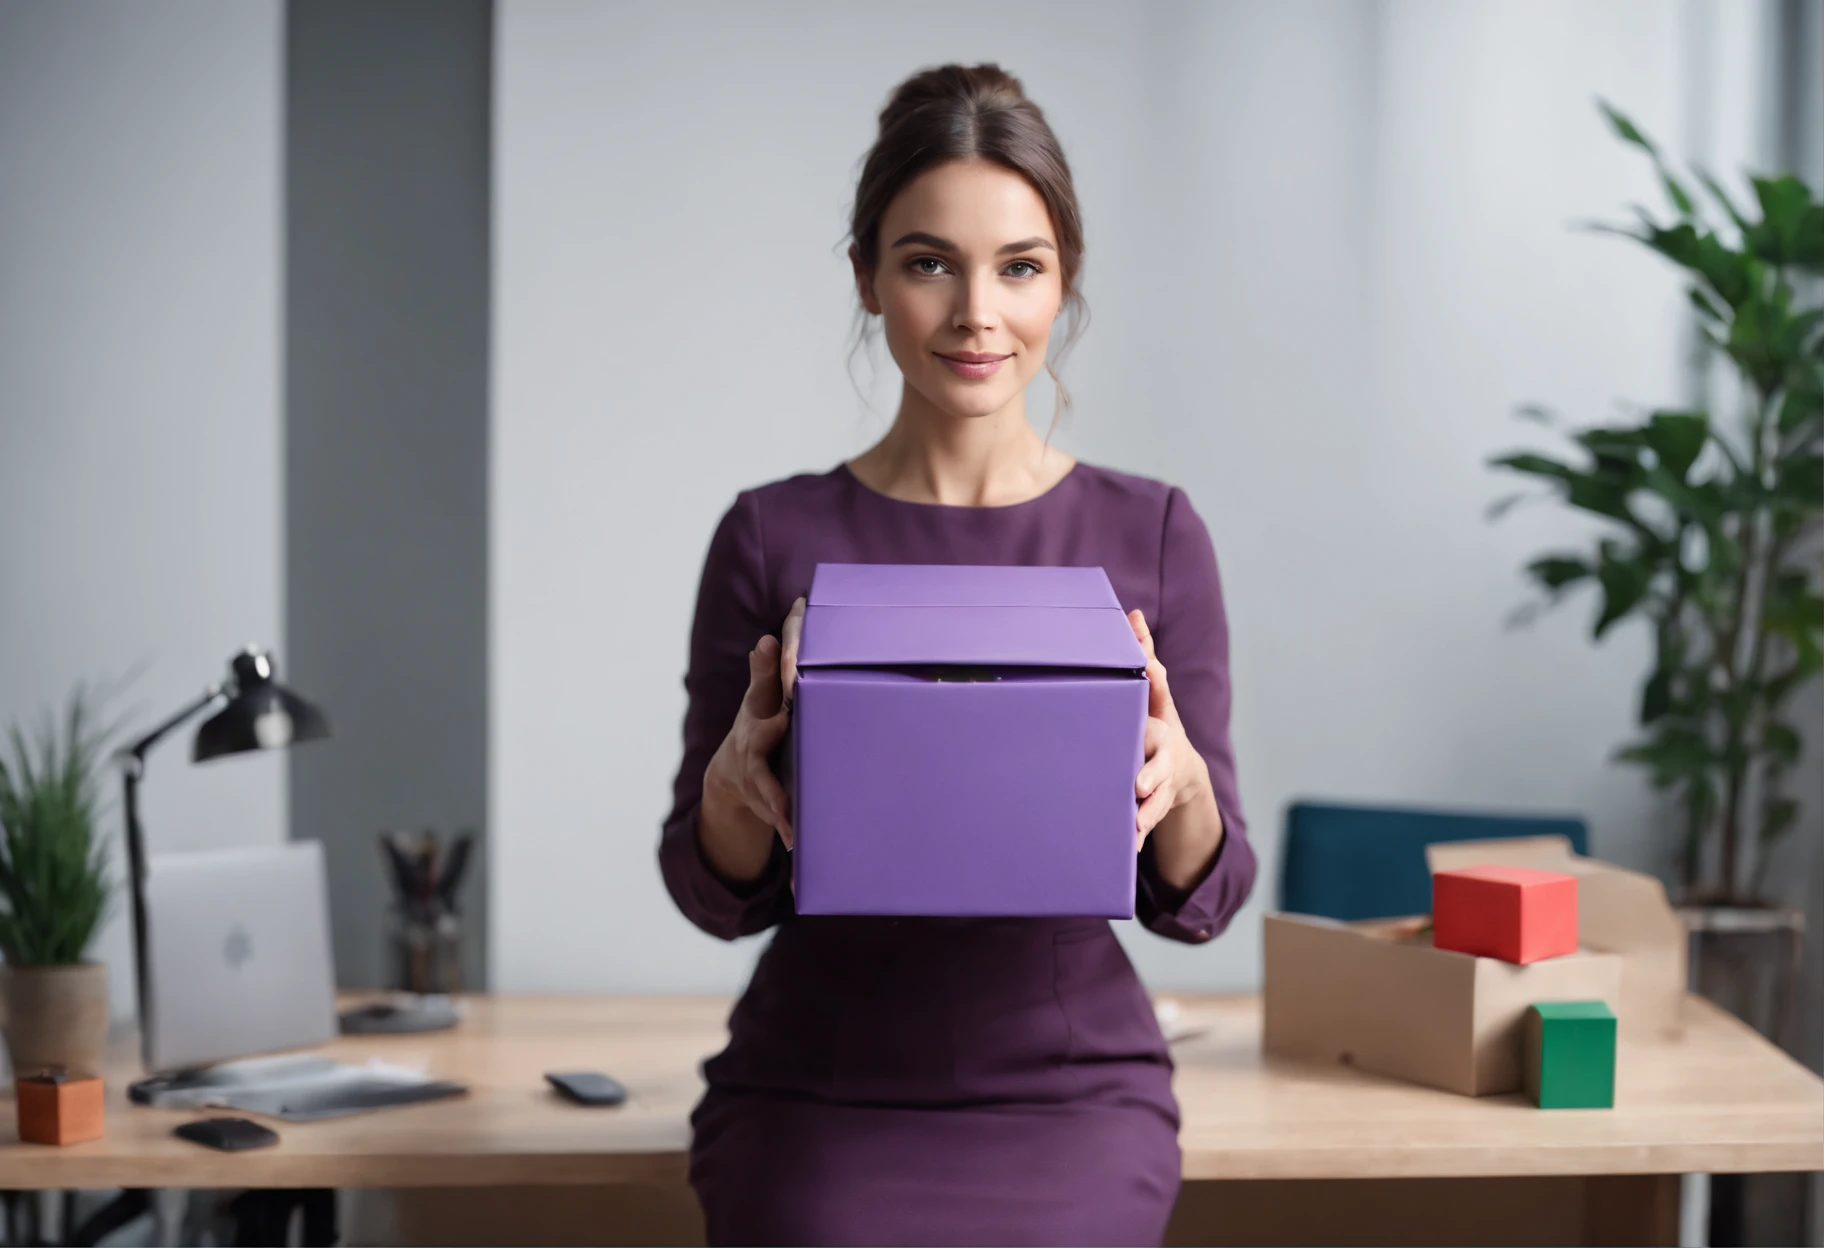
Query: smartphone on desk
pixel 228 1135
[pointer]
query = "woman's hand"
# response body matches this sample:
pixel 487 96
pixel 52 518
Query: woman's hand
pixel 790 636
pixel 1174 774
pixel 744 805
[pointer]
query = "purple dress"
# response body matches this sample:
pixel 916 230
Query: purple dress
pixel 944 1080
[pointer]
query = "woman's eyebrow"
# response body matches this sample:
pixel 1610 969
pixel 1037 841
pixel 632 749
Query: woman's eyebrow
pixel 919 238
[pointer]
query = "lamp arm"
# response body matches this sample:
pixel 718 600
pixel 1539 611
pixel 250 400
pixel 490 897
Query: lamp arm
pixel 138 749
pixel 133 765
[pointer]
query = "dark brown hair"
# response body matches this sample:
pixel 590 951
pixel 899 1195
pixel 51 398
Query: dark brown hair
pixel 972 112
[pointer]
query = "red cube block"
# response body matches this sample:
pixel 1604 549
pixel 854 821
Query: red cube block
pixel 1513 913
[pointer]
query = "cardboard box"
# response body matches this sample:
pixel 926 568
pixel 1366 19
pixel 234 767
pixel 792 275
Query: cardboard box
pixel 1377 995
pixel 964 742
pixel 1618 911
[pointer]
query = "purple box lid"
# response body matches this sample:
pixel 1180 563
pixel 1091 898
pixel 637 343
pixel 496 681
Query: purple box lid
pixel 894 614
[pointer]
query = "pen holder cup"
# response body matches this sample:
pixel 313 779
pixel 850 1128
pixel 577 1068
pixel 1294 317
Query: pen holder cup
pixel 425 952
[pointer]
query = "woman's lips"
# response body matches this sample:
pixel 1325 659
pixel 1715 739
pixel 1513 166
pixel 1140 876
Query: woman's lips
pixel 974 366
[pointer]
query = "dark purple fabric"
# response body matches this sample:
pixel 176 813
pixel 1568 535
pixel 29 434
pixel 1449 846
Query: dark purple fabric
pixel 926 1081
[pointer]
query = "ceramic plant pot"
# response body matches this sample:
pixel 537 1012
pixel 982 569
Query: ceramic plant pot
pixel 55 1017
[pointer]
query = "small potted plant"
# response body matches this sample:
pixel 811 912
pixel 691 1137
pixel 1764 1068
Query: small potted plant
pixel 54 893
pixel 1713 537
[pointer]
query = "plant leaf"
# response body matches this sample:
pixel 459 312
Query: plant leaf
pixel 1624 582
pixel 1788 220
pixel 1602 497
pixel 1722 198
pixel 1656 696
pixel 54 887
pixel 1705 305
pixel 1676 753
pixel 1782 743
pixel 1625 128
pixel 1801 405
pixel 1534 465
pixel 1677 438
pixel 1801 480
pixel 1777 818
pixel 1555 572
pixel 1501 506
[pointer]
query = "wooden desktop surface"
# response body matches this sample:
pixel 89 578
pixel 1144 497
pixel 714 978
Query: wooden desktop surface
pixel 1720 1099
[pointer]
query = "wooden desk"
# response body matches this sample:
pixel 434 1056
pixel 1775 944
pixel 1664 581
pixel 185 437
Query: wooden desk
pixel 1719 1100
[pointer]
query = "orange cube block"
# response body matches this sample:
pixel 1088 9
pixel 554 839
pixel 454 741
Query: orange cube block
pixel 1515 914
pixel 59 1109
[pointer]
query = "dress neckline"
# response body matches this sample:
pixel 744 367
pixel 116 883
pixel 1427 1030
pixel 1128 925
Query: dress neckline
pixel 972 508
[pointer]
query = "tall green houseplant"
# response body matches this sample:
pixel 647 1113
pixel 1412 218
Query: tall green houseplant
pixel 53 866
pixel 1713 521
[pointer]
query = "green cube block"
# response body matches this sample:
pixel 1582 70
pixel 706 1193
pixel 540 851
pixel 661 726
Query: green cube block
pixel 1570 1055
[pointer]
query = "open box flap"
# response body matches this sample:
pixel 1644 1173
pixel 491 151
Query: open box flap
pixel 885 615
pixel 1622 911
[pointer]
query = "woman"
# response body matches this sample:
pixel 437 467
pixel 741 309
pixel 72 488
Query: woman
pixel 924 1081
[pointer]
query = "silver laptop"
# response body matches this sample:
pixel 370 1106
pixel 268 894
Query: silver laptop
pixel 239 959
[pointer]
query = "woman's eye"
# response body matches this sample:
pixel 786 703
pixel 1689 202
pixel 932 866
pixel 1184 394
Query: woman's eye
pixel 931 266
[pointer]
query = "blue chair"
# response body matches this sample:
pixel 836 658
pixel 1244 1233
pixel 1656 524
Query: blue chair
pixel 1362 862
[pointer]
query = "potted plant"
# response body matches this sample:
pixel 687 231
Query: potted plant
pixel 54 893
pixel 1711 521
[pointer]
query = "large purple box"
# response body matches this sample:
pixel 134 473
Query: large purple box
pixel 965 742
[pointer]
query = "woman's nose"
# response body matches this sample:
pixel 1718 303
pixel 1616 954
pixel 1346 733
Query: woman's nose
pixel 975 310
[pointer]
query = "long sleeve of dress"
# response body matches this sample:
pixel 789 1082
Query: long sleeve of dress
pixel 1191 638
pixel 730 619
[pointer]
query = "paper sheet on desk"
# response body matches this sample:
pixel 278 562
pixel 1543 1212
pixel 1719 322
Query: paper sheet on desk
pixel 305 1089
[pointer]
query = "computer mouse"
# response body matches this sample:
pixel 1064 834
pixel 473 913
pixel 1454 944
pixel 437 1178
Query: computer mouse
pixel 588 1087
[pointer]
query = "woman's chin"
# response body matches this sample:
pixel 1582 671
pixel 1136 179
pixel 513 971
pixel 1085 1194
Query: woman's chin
pixel 972 401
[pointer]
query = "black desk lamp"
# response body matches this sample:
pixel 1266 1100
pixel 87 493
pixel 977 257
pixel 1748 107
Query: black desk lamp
pixel 258 713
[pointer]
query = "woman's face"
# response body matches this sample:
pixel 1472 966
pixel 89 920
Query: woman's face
pixel 968 285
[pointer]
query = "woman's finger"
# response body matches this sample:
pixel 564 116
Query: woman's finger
pixel 773 805
pixel 765 733
pixel 1154 808
pixel 790 636
pixel 771 791
pixel 756 678
pixel 1143 633
pixel 762 698
pixel 1159 692
pixel 1157 731
pixel 1151 777
pixel 759 807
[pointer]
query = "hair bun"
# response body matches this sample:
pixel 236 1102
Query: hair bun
pixel 983 87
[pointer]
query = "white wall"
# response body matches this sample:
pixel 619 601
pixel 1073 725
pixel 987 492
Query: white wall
pixel 139 381
pixel 1329 252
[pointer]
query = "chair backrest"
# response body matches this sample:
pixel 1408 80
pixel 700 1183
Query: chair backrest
pixel 1363 862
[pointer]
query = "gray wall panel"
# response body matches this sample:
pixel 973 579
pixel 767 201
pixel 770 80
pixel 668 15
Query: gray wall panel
pixel 386 385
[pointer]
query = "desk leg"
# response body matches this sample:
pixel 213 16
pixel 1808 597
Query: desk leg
pixel 1630 1209
pixel 263 1216
pixel 125 1207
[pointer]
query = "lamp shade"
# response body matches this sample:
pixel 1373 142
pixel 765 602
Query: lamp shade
pixel 261 714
